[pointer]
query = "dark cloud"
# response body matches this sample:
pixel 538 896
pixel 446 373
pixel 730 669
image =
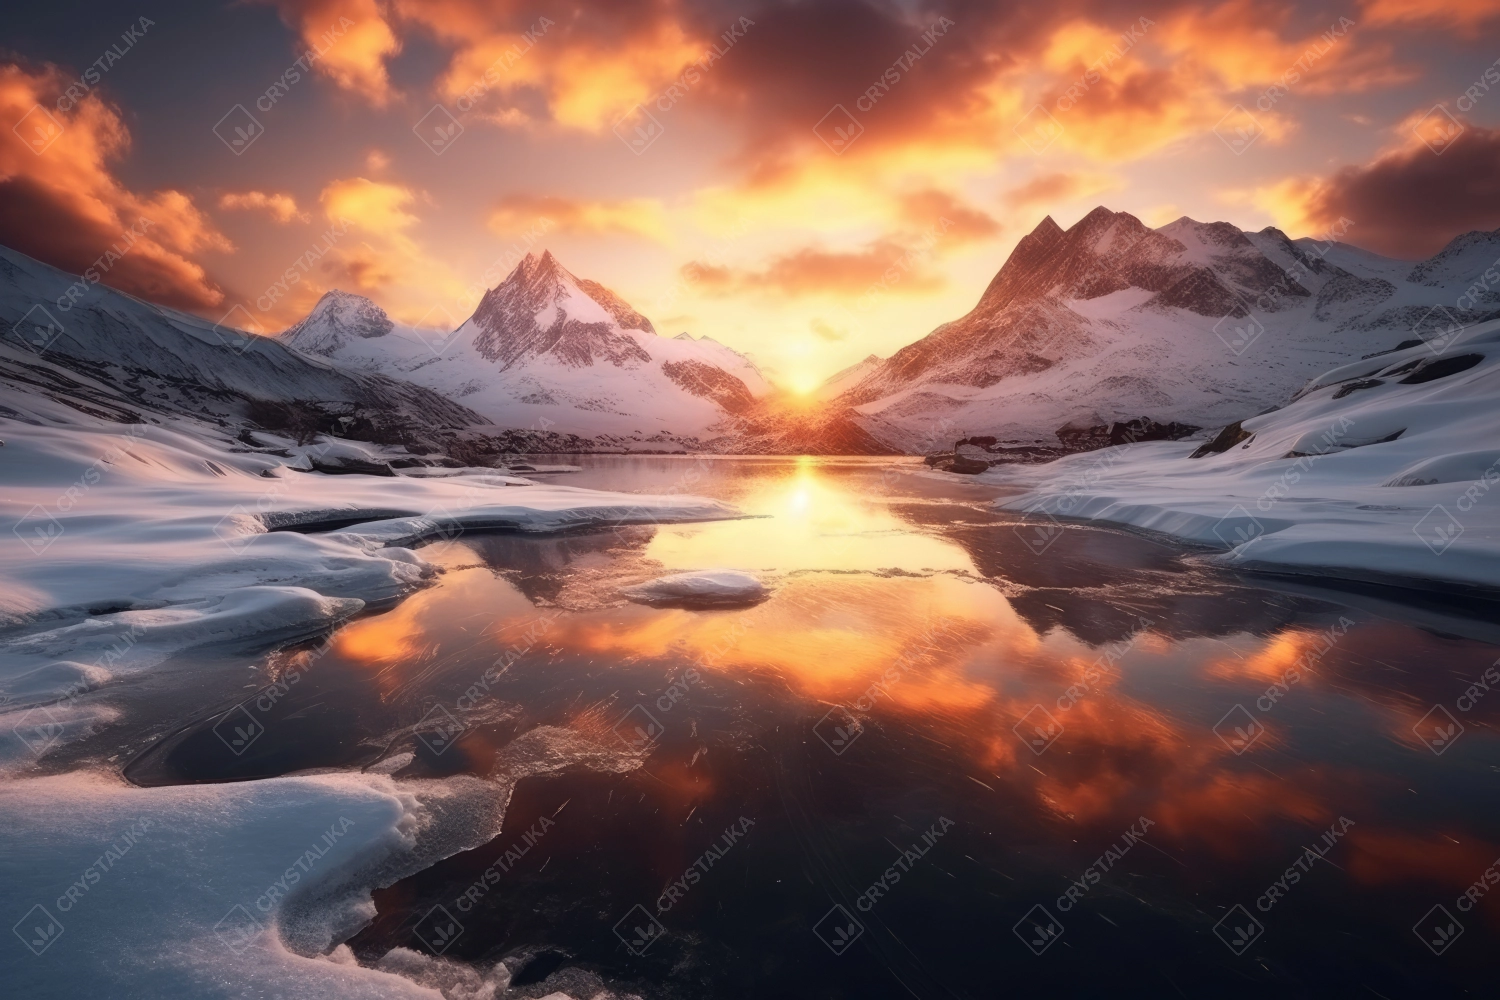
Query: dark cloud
pixel 1411 202
pixel 61 202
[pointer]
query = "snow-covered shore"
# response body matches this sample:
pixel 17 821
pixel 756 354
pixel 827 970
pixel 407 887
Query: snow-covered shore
pixel 1386 469
pixel 245 888
pixel 122 544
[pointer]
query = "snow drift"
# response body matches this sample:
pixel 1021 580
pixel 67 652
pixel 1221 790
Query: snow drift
pixel 1383 469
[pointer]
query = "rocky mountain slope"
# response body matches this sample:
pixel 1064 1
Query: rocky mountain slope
pixel 546 350
pixel 111 353
pixel 1194 322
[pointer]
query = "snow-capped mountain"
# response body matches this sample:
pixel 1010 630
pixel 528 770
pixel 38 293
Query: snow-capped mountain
pixel 1199 323
pixel 338 319
pixel 547 350
pixel 112 352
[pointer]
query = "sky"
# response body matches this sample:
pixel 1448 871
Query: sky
pixel 808 182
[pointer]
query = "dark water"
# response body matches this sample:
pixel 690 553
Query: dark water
pixel 867 785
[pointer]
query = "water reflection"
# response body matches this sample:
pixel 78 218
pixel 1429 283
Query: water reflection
pixel 1043 702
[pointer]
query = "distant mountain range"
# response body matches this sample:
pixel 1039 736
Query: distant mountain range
pixel 546 350
pixel 1108 321
pixel 1194 322
pixel 113 354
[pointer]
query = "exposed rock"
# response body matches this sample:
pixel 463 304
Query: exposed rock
pixel 711 383
pixel 1436 368
pixel 1224 440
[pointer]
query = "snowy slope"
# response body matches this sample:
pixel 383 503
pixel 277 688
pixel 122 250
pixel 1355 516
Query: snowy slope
pixel 1384 469
pixel 160 359
pixel 1193 322
pixel 547 350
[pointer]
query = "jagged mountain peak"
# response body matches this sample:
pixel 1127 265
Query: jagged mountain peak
pixel 338 318
pixel 1046 232
pixel 542 310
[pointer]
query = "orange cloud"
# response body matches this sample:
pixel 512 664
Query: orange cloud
pixel 280 207
pixel 378 253
pixel 636 217
pixel 348 41
pixel 1049 189
pixel 1117 96
pixel 60 201
pixel 1466 15
pixel 959 223
pixel 589 71
pixel 883 265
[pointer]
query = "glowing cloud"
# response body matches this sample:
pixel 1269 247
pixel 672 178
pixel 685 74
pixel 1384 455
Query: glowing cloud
pixel 280 207
pixel 61 202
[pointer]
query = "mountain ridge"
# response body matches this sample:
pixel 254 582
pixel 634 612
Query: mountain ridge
pixel 1107 316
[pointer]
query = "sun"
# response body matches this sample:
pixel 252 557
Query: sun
pixel 802 384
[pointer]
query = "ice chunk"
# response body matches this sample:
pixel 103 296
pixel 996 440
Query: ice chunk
pixel 708 588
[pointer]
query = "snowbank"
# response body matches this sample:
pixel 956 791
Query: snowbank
pixel 1385 469
pixel 122 544
pixel 709 588
pixel 246 888
pixel 177 891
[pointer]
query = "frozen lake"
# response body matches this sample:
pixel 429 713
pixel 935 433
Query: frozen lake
pixel 944 757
